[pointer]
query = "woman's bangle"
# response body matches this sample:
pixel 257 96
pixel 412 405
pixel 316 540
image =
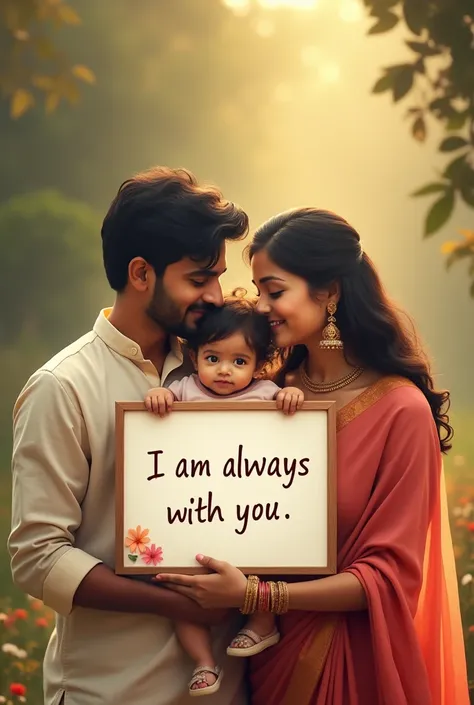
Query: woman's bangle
pixel 251 595
pixel 265 596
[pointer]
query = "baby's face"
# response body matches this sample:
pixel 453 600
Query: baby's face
pixel 226 366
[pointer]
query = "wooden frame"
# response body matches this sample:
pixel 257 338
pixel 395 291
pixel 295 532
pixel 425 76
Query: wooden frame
pixel 121 408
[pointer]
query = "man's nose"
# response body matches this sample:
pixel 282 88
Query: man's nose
pixel 213 294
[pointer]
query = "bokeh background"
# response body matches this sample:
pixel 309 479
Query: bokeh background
pixel 273 101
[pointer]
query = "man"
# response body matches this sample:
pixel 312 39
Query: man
pixel 164 251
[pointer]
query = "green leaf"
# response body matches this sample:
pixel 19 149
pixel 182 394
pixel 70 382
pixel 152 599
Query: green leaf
pixel 403 82
pixel 455 169
pixel 383 84
pixel 415 14
pixel 386 22
pixel 450 144
pixel 423 48
pixel 439 213
pixel 429 189
pixel 467 195
pixel 456 121
pixel 132 557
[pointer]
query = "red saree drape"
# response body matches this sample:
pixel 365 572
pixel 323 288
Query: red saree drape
pixel 393 534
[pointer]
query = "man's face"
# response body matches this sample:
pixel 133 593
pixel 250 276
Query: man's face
pixel 185 292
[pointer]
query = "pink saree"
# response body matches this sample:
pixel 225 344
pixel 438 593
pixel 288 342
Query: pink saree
pixel 393 534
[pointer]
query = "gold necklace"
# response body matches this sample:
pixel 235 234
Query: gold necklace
pixel 325 387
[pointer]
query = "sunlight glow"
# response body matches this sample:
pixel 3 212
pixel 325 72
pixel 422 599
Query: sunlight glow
pixel 239 7
pixel 351 11
pixel 264 27
pixel 283 93
pixel 330 72
pixel 310 56
pixel 293 4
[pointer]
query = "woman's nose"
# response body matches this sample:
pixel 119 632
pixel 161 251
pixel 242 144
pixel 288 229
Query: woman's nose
pixel 262 306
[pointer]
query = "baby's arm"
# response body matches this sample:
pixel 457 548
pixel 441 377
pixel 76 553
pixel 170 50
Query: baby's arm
pixel 289 399
pixel 159 400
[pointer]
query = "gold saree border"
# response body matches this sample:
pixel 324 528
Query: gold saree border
pixel 311 661
pixel 368 398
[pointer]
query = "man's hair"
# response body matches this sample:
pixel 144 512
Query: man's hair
pixel 163 215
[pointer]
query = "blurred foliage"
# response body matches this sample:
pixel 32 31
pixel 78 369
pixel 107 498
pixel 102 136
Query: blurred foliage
pixel 439 81
pixel 49 262
pixel 33 65
pixel 51 283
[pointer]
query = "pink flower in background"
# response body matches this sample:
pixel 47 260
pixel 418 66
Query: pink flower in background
pixel 152 555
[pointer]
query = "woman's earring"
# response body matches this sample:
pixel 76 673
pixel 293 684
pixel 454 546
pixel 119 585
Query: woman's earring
pixel 331 339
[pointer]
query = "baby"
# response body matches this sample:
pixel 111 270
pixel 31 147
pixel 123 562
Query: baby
pixel 230 349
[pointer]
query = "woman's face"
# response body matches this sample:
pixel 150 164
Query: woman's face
pixel 296 317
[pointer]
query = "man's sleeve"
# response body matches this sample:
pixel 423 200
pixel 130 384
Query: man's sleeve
pixel 50 477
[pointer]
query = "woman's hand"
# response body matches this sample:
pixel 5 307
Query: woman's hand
pixel 225 588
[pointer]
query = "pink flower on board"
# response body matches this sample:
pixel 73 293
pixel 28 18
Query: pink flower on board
pixel 152 555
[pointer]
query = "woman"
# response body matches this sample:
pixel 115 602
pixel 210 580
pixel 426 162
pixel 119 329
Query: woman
pixel 386 629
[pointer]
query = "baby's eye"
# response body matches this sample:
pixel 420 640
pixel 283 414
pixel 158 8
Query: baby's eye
pixel 240 362
pixel 212 358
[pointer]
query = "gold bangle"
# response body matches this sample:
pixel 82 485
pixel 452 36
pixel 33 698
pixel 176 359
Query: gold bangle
pixel 251 595
pixel 284 595
pixel 273 596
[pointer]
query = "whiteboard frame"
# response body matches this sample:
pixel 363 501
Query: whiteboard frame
pixel 124 408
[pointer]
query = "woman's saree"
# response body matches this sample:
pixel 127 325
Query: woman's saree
pixel 393 534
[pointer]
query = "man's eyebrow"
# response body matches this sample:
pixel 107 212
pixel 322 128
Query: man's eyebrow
pixel 205 272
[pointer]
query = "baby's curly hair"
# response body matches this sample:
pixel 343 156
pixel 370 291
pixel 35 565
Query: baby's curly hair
pixel 238 315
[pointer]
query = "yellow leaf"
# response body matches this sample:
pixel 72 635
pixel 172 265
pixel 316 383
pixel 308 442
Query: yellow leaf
pixel 448 247
pixel 21 102
pixel 83 73
pixel 51 102
pixel 45 83
pixel 67 14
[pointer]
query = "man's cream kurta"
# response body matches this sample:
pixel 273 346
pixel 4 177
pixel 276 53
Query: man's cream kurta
pixel 63 524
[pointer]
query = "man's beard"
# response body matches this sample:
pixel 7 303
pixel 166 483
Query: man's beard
pixel 164 311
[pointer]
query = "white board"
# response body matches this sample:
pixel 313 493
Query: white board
pixel 237 481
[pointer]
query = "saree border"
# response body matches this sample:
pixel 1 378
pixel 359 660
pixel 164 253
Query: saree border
pixel 370 396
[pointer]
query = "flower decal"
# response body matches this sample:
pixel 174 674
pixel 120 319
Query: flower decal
pixel 152 555
pixel 137 539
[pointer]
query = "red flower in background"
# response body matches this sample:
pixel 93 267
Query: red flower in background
pixel 470 526
pixel 17 689
pixel 20 613
pixel 41 622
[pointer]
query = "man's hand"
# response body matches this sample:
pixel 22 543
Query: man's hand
pixel 101 589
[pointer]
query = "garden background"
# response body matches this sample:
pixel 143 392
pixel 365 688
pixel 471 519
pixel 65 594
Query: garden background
pixel 350 105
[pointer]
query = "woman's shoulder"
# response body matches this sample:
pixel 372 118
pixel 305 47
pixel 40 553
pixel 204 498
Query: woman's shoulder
pixel 403 397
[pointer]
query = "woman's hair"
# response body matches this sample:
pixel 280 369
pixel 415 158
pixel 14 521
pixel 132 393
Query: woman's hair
pixel 238 315
pixel 323 248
